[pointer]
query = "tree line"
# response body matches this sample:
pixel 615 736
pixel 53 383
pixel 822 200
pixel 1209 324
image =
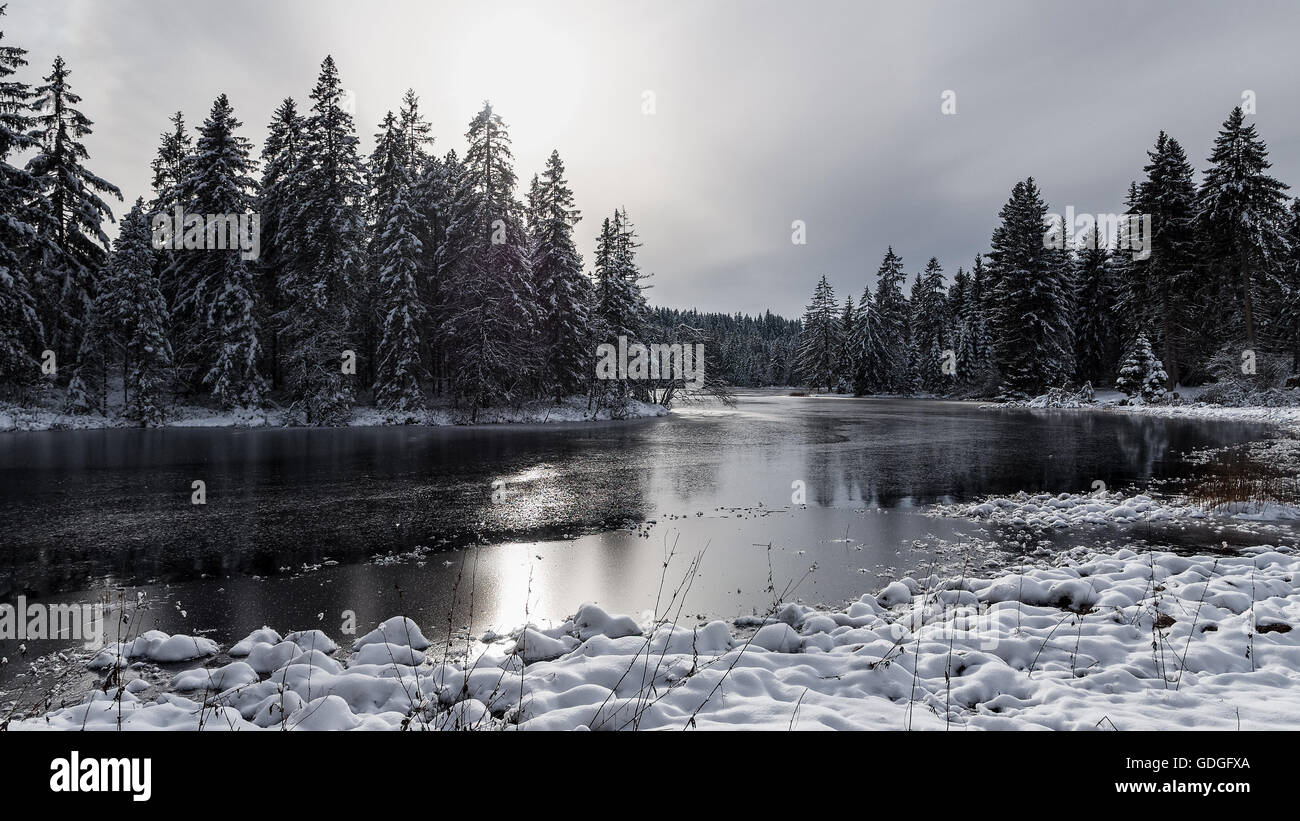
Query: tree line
pixel 1216 286
pixel 393 278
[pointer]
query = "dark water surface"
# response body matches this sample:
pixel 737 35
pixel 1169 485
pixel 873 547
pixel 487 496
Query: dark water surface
pixel 589 510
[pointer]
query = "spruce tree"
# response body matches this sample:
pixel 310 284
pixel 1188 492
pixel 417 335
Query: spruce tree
pixel 890 315
pixel 929 321
pixel 1241 219
pixel 1030 298
pixel 1140 372
pixel 819 341
pixel 218 345
pixel 844 362
pixel 1097 326
pixel 68 213
pixel 398 369
pixel 562 290
pixel 1161 283
pixel 864 349
pixel 20 326
pixel 489 316
pixel 277 199
pixel 325 268
pixel 126 327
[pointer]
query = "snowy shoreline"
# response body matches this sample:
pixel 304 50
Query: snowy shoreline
pixel 1083 640
pixel 572 409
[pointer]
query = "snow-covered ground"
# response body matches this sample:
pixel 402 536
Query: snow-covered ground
pixel 572 409
pixel 1120 640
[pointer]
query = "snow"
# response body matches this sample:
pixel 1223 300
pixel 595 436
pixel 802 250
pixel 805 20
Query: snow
pixel 572 409
pixel 1046 510
pixel 154 645
pixel 1085 639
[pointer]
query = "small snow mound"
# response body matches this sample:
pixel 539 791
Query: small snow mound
pixel 778 638
pixel 325 713
pixel 591 620
pixel 399 630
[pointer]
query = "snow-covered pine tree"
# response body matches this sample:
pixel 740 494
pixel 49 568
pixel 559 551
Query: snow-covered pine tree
pixel 929 322
pixel 1031 299
pixel 174 148
pixel 981 367
pixel 844 358
pixel 1162 285
pixel 68 213
pixel 864 348
pixel 1140 373
pixel 445 201
pixel 398 369
pixel 1288 320
pixel 387 174
pixel 620 308
pixel 819 341
pixel 415 131
pixel 890 314
pixel 327 258
pixel 218 342
pixel 20 326
pixel 139 313
pixel 277 198
pixel 1241 220
pixel 562 290
pixel 1097 326
pixel 488 329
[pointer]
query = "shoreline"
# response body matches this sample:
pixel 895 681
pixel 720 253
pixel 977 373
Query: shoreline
pixel 1142 640
pixel 15 419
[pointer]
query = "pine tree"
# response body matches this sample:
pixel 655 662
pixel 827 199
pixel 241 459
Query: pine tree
pixel 488 329
pixel 277 200
pixel 620 304
pixel 1160 284
pixel 175 147
pixel 844 361
pixel 1097 324
pixel 929 321
pixel 415 131
pixel 127 325
pixel 1140 373
pixel 819 342
pixel 326 264
pixel 890 315
pixel 563 292
pixel 1241 220
pixel 139 310
pixel 219 343
pixel 864 348
pixel 68 212
pixel 397 374
pixel 20 325
pixel 1288 320
pixel 1030 298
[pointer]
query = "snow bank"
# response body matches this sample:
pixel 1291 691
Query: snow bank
pixel 1116 640
pixel 1045 510
pixel 572 409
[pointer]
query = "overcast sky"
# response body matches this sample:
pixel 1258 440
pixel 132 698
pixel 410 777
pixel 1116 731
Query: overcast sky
pixel 764 112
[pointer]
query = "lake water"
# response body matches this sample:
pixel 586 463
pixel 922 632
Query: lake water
pixel 301 525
